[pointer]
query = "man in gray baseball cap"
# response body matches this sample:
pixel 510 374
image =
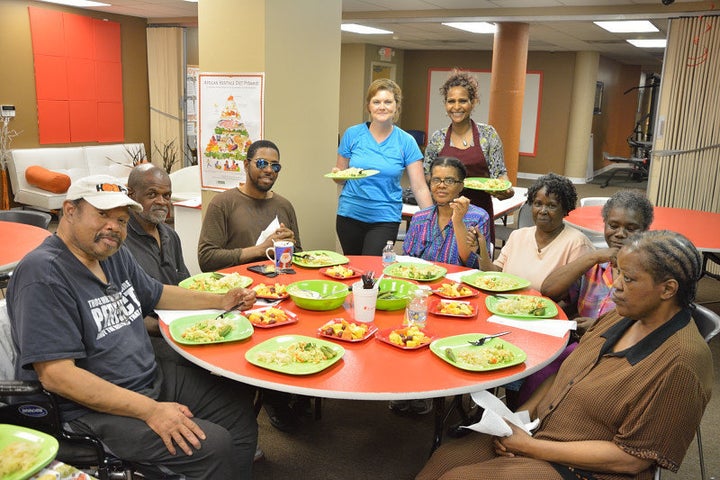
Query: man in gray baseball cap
pixel 76 305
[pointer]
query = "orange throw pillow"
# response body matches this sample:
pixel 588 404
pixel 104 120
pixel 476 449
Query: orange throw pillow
pixel 45 179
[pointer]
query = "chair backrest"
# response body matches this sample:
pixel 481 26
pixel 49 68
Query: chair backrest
pixel 418 135
pixel 28 217
pixel 525 216
pixel 589 201
pixel 707 321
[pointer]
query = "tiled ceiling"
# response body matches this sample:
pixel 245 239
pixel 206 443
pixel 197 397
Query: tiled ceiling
pixel 555 25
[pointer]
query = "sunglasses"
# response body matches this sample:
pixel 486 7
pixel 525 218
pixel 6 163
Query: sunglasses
pixel 262 164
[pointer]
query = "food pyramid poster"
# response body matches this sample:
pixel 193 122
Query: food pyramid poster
pixel 231 118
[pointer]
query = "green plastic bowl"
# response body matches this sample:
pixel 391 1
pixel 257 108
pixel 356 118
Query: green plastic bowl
pixel 336 292
pixel 402 292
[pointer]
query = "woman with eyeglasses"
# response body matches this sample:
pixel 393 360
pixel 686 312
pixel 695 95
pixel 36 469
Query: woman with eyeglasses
pixel 476 145
pixel 370 209
pixel 533 252
pixel 439 233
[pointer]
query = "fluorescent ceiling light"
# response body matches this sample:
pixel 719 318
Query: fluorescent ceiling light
pixel 473 27
pixel 355 28
pixel 192 1
pixel 78 3
pixel 649 42
pixel 628 26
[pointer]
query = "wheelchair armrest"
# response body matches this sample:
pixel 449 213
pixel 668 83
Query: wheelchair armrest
pixel 19 387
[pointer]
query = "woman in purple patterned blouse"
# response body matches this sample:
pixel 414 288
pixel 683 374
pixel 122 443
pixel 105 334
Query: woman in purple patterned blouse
pixel 439 233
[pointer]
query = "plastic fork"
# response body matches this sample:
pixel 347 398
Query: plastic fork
pixel 482 340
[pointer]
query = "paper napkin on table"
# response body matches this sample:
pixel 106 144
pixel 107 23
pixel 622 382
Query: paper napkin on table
pixel 457 276
pixel 555 328
pixel 269 230
pixel 167 316
pixel 409 259
pixel 495 414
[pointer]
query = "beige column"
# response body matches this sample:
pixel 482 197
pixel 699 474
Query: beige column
pixel 297 45
pixel 581 114
pixel 507 89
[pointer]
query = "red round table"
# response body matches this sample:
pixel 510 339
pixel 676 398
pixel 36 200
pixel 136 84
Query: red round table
pixel 17 239
pixel 374 370
pixel 702 228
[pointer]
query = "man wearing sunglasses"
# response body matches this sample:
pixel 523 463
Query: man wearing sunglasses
pixel 235 218
pixel 233 222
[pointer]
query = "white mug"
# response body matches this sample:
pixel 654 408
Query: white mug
pixel 282 252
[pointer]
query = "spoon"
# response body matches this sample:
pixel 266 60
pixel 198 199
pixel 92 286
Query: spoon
pixel 482 340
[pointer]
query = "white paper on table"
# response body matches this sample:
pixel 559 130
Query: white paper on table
pixel 554 328
pixel 167 316
pixel 457 276
pixel 409 259
pixel 495 414
pixel 269 230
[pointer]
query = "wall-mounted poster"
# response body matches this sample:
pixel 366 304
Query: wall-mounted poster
pixel 230 119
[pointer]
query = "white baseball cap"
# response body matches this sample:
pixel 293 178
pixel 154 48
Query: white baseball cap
pixel 103 192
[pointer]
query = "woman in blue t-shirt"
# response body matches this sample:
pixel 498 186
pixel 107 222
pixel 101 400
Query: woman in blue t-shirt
pixel 370 208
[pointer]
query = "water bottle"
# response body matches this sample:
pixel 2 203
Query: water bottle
pixel 417 310
pixel 388 254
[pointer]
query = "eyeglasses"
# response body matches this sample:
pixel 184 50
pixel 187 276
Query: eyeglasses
pixel 550 207
pixel 262 164
pixel 449 181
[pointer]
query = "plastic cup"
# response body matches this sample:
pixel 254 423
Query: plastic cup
pixel 364 300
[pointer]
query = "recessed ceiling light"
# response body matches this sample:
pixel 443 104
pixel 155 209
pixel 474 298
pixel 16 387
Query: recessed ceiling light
pixel 473 27
pixel 78 3
pixel 355 28
pixel 192 1
pixel 628 26
pixel 649 42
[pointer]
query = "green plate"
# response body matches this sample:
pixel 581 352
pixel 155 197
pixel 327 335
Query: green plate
pixel 43 445
pixel 459 343
pixel 241 330
pixel 284 341
pixel 422 272
pixel 319 258
pixel 495 281
pixel 550 307
pixel 486 184
pixel 364 174
pixel 195 282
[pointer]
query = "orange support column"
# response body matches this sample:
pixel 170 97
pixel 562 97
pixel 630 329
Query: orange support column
pixel 507 89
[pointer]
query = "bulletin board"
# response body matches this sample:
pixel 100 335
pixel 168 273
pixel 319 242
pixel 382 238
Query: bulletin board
pixel 437 117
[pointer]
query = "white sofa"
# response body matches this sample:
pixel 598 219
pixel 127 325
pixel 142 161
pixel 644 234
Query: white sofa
pixel 76 162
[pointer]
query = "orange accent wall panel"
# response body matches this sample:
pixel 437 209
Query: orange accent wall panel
pixel 83 121
pixel 46 30
pixel 110 122
pixel 108 76
pixel 81 79
pixel 54 116
pixel 51 82
pixel 79 36
pixel 107 41
pixel 78 77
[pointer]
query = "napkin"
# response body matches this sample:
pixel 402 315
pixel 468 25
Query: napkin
pixel 457 276
pixel 269 230
pixel 409 259
pixel 555 328
pixel 495 415
pixel 167 316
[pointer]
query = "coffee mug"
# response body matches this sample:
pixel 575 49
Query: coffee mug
pixel 282 253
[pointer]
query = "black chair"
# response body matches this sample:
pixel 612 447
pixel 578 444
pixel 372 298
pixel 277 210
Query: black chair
pixel 28 217
pixel 27 404
pixel 419 137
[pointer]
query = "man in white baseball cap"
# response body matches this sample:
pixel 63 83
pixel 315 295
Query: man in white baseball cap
pixel 76 305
